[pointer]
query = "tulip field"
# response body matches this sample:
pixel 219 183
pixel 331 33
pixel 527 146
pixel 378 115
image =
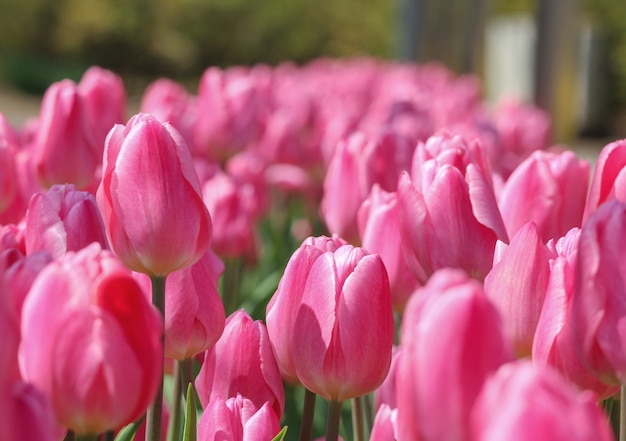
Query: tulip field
pixel 347 249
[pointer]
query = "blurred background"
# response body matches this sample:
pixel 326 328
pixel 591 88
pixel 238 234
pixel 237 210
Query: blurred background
pixel 567 56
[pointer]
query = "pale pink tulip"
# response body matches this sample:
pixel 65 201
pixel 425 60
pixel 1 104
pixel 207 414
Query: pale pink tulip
pixel 517 285
pixel 65 150
pixel 451 341
pixel 526 401
pixel 91 342
pixel 63 219
pixel 237 419
pixel 343 331
pixel 548 189
pixel 242 362
pixel 194 313
pixel 280 316
pixel 150 198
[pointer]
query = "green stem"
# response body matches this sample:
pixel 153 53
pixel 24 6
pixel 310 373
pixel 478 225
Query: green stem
pixel 232 277
pixel 368 412
pixel 622 415
pixel 153 417
pixel 308 412
pixel 174 428
pixel 357 419
pixel 333 420
pixel 186 374
pixel 86 437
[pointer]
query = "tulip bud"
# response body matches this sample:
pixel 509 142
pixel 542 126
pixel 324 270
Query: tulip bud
pixel 150 198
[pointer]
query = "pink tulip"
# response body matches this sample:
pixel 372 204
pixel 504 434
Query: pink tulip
pixel 385 424
pixel 553 342
pixel 233 208
pixel 448 210
pixel 451 341
pixel 609 177
pixel 165 226
pixel 548 189
pixel 91 342
pixel 237 419
pixel 8 149
pixel 343 331
pixel 242 362
pixel 26 414
pixel 168 101
pixel 194 313
pixel 20 275
pixel 379 229
pixel 387 392
pixel 282 308
pixel 10 331
pixel 105 101
pixel 357 164
pixel 65 150
pixel 524 401
pixel 598 308
pixel 63 219
pixel 517 285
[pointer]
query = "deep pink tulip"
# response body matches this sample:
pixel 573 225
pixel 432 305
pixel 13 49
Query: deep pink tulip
pixel 237 419
pixel 150 198
pixel 10 331
pixel 517 285
pixel 26 414
pixel 548 189
pixel 233 208
pixel 609 177
pixel 105 101
pixel 91 341
pixel 379 229
pixel 8 149
pixel 63 219
pixel 194 312
pixel 385 424
pixel 525 401
pixel 451 341
pixel 553 342
pixel 169 101
pixel 343 331
pixel 282 308
pixel 65 150
pixel 242 362
pixel 598 306
pixel 20 275
pixel 357 164
pixel 448 210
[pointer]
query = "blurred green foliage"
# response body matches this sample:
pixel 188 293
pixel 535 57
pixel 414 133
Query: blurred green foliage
pixel 180 38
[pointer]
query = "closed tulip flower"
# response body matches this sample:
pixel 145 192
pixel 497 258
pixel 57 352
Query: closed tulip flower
pixel 150 198
pixel 65 150
pixel 63 219
pixel 282 308
pixel 598 308
pixel 343 331
pixel 237 419
pixel 451 311
pixel 194 312
pixel 609 177
pixel 242 362
pixel 524 401
pixel 91 342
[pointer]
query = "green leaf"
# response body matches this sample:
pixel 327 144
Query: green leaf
pixel 191 426
pixel 128 432
pixel 281 435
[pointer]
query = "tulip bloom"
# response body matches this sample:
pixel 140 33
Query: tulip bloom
pixel 517 285
pixel 385 424
pixel 525 401
pixel 609 177
pixel 242 362
pixel 63 219
pixel 237 419
pixel 448 209
pixel 150 198
pixel 65 150
pixel 451 311
pixel 598 307
pixel 548 189
pixel 89 337
pixel 194 312
pixel 8 149
pixel 26 414
pixel 343 329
